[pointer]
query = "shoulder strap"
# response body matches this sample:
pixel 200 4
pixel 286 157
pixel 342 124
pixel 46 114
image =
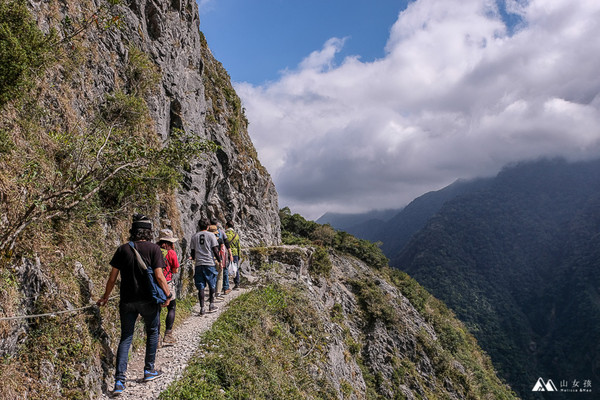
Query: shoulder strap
pixel 140 262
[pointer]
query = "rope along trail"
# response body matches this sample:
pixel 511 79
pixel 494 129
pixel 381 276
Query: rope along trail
pixel 53 313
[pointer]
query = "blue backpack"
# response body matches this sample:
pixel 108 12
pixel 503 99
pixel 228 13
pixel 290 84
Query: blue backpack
pixel 158 295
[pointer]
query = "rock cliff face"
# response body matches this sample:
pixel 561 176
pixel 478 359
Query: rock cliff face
pixel 61 263
pixel 194 95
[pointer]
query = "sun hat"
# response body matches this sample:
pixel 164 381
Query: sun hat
pixel 167 236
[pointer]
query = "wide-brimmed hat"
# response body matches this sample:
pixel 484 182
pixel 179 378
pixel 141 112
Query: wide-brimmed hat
pixel 167 236
pixel 213 228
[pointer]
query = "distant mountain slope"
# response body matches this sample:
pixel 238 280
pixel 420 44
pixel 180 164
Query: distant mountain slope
pixel 518 261
pixel 360 225
pixel 394 227
pixel 396 232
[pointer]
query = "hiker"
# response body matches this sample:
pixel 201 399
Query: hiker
pixel 136 297
pixel 166 241
pixel 225 256
pixel 204 248
pixel 218 264
pixel 235 251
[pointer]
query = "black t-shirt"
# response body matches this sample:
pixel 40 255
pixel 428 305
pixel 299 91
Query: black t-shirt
pixel 133 282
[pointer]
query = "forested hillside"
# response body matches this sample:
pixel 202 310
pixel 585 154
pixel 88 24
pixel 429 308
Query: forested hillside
pixel 364 225
pixel 519 263
pixel 394 228
pixel 396 232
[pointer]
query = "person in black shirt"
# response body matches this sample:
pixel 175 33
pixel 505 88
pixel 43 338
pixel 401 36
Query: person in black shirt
pixel 136 297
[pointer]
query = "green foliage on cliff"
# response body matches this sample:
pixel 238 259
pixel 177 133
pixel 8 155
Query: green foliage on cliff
pixel 373 302
pixel 320 264
pixel 105 166
pixel 24 50
pixel 279 341
pixel 74 163
pixel 295 229
pixel 458 364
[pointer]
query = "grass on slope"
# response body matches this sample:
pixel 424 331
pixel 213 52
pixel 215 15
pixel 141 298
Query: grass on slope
pixel 265 346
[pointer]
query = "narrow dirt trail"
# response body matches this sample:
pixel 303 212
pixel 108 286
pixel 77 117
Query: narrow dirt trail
pixel 171 360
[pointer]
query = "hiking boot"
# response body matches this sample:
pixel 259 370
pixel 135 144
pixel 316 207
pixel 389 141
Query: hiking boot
pixel 202 311
pixel 225 292
pixel 212 308
pixel 169 340
pixel 151 375
pixel 119 387
pixel 236 287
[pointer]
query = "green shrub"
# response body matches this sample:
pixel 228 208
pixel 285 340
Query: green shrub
pixel 320 264
pixel 410 288
pixel 24 50
pixel 346 388
pixel 124 110
pixel 143 76
pixel 362 249
pixel 337 313
pixel 375 304
pixel 295 230
pixel 323 234
pixel 295 225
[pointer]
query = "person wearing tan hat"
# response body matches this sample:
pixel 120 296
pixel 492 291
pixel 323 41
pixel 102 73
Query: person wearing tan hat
pixel 166 241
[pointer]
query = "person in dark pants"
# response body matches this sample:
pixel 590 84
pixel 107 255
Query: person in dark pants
pixel 136 297
pixel 166 242
pixel 205 250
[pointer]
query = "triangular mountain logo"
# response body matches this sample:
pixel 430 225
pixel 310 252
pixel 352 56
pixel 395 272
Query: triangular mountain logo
pixel 541 386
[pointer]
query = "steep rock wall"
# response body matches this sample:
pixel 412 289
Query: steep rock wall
pixel 194 96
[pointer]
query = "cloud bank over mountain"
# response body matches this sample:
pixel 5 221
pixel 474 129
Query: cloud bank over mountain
pixel 459 94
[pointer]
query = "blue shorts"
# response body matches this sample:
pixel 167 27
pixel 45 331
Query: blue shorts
pixel 205 274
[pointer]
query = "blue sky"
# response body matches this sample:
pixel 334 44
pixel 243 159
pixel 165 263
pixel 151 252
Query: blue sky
pixel 255 40
pixel 357 105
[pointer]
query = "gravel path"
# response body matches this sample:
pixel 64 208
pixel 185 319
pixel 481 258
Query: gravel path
pixel 172 360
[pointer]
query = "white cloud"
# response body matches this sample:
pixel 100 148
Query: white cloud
pixel 205 5
pixel 323 60
pixel 454 97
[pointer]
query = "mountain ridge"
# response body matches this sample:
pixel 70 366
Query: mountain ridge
pixel 476 245
pixel 509 260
